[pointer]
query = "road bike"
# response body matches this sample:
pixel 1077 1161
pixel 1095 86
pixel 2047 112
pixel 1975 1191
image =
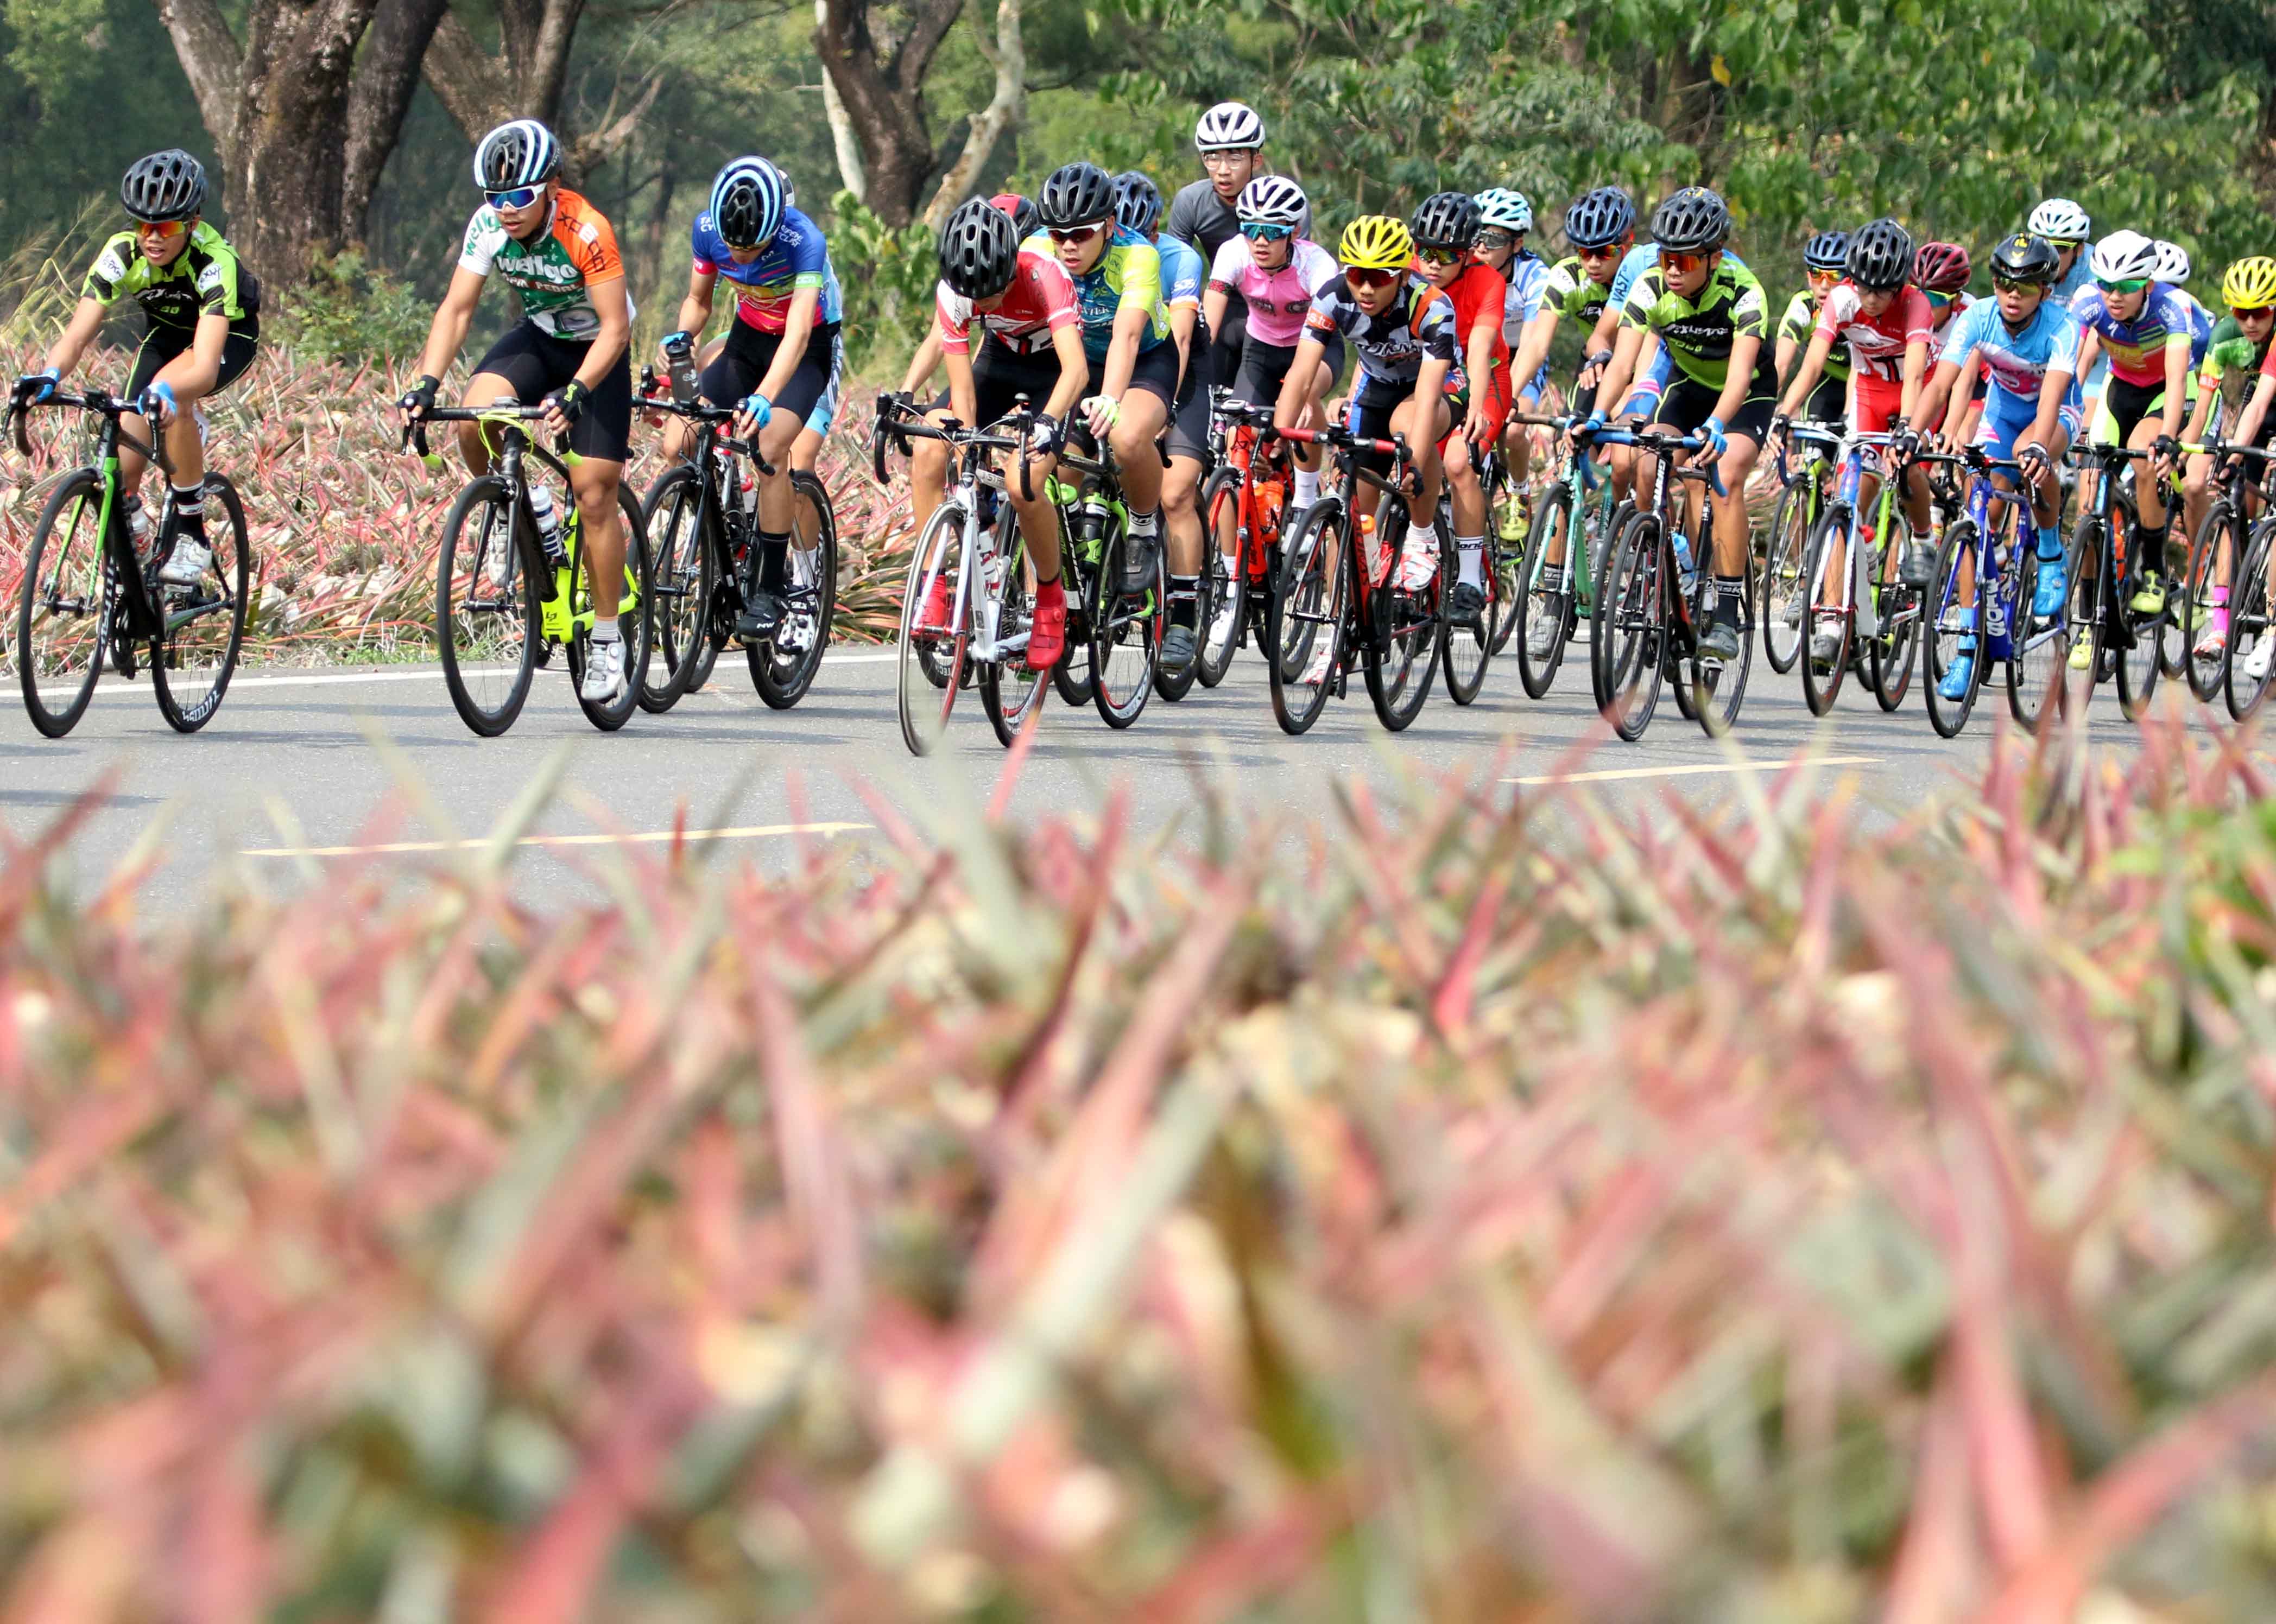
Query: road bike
pixel 1990 553
pixel 1245 503
pixel 2240 474
pixel 701 527
pixel 1117 602
pixel 85 595
pixel 504 601
pixel 1566 593
pixel 2106 561
pixel 1804 480
pixel 1838 601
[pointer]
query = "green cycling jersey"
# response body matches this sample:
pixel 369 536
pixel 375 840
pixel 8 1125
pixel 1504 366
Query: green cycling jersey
pixel 1700 331
pixel 204 279
pixel 1800 322
pixel 2231 361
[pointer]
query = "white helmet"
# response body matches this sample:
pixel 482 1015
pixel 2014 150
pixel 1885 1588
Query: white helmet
pixel 2173 264
pixel 1271 200
pixel 1506 210
pixel 2124 256
pixel 2059 220
pixel 1229 126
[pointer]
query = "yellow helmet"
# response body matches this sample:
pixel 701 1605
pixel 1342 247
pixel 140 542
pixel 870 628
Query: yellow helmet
pixel 1375 242
pixel 2250 283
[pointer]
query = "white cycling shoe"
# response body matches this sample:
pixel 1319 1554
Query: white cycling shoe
pixel 188 563
pixel 604 671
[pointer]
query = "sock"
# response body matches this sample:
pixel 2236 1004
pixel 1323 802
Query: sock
pixel 2051 545
pixel 1728 589
pixel 1967 632
pixel 1308 486
pixel 1049 592
pixel 1182 588
pixel 1144 523
pixel 604 628
pixel 1471 551
pixel 190 509
pixel 773 554
pixel 2154 550
pixel 1553 577
pixel 809 565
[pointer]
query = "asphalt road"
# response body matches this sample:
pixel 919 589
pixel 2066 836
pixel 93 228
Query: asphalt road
pixel 305 767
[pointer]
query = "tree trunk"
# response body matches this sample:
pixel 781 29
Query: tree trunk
pixel 523 79
pixel 386 75
pixel 880 78
pixel 843 142
pixel 1006 108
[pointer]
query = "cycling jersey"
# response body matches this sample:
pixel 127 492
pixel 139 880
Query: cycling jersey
pixel 1567 290
pixel 1127 276
pixel 1940 337
pixel 1479 289
pixel 2230 359
pixel 2136 348
pixel 1039 302
pixel 1800 322
pixel 798 258
pixel 1700 331
pixel 1525 283
pixel 1182 273
pixel 1876 343
pixel 2016 363
pixel 2200 324
pixel 204 279
pixel 1417 326
pixel 1278 300
pixel 552 276
pixel 1205 222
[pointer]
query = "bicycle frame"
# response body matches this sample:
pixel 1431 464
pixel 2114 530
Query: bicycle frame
pixel 1999 516
pixel 972 475
pixel 1662 448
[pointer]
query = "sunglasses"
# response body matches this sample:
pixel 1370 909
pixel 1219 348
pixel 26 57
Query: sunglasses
pixel 2008 284
pixel 1935 300
pixel 1257 231
pixel 1439 256
pixel 1366 276
pixel 1494 242
pixel 1070 235
pixel 520 197
pixel 1683 262
pixel 2132 285
pixel 1603 250
pixel 2253 313
pixel 1821 278
pixel 166 230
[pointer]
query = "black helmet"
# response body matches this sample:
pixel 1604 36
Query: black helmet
pixel 2024 258
pixel 1828 250
pixel 1692 220
pixel 1137 202
pixel 1447 220
pixel 166 186
pixel 1076 194
pixel 1599 218
pixel 1881 256
pixel 979 250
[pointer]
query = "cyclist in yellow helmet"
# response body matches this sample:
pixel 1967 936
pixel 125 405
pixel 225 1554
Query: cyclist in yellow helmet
pixel 2235 366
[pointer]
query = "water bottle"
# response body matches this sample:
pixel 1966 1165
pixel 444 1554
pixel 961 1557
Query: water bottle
pixel 680 356
pixel 1683 561
pixel 139 527
pixel 548 526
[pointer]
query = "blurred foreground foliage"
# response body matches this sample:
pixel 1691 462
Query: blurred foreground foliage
pixel 1465 1209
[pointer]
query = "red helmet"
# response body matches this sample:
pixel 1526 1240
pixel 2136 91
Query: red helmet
pixel 1941 268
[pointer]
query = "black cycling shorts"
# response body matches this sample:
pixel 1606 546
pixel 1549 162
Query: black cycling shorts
pixel 1190 420
pixel 2124 405
pixel 1370 415
pixel 1264 368
pixel 1000 375
pixel 1156 373
pixel 742 365
pixel 161 345
pixel 535 363
pixel 1685 404
pixel 1828 402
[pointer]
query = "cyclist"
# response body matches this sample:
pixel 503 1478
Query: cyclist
pixel 569 352
pixel 1823 259
pixel 1205 214
pixel 1709 313
pixel 1276 274
pixel 2235 362
pixel 1885 320
pixel 1031 344
pixel 1505 217
pixel 926 361
pixel 201 314
pixel 1138 209
pixel 2026 343
pixel 1125 335
pixel 780 353
pixel 1942 270
pixel 1403 332
pixel 2067 227
pixel 2144 330
pixel 1445 230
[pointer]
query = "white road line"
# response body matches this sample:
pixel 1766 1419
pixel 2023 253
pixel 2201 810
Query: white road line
pixel 328 679
pixel 1684 772
pixel 653 837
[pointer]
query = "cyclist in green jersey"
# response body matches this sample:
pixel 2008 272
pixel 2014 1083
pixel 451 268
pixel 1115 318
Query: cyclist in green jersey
pixel 204 309
pixel 2233 380
pixel 1710 314
pixel 1822 258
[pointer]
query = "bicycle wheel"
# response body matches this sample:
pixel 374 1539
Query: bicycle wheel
pixel 1630 627
pixel 683 562
pixel 1821 680
pixel 1895 649
pixel 485 608
pixel 2202 671
pixel 1509 562
pixel 1464 647
pixel 1717 691
pixel 922 703
pixel 1398 661
pixel 1306 599
pixel 193 660
pixel 1174 688
pixel 62 609
pixel 1783 579
pixel 783 667
pixel 1534 601
pixel 2135 653
pixel 2086 614
pixel 1943 627
pixel 2038 650
pixel 1072 675
pixel 2251 628
pixel 1125 633
pixel 1009 689
pixel 1228 588
pixel 1297 558
pixel 635 620
pixel 2171 640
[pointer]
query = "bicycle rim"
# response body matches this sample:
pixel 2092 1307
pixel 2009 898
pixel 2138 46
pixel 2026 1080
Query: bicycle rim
pixel 205 624
pixel 2038 652
pixel 1943 628
pixel 1718 690
pixel 1783 579
pixel 1126 636
pixel 1307 603
pixel 784 666
pixel 487 627
pixel 1507 565
pixel 1631 627
pixel 682 565
pixel 1399 675
pixel 2203 672
pixel 634 619
pixel 2085 614
pixel 921 704
pixel 1535 602
pixel 1464 647
pixel 2251 625
pixel 1007 687
pixel 62 609
pixel 1822 687
pixel 1229 588
pixel 1300 557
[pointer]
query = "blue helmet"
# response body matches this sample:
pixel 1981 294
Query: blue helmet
pixel 747 203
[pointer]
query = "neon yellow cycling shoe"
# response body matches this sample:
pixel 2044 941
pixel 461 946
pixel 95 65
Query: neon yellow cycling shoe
pixel 2151 600
pixel 2082 654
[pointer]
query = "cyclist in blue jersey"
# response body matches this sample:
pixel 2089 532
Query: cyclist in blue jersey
pixel 2026 344
pixel 779 355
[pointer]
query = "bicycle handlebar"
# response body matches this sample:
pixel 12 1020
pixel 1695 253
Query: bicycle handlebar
pixel 20 415
pixel 700 412
pixel 414 433
pixel 908 425
pixel 1645 440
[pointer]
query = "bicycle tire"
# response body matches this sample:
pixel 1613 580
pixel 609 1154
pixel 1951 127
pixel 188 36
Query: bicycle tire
pixel 1305 588
pixel 1532 598
pixel 2249 618
pixel 1782 576
pixel 1508 562
pixel 1010 690
pixel 684 559
pixel 68 668
pixel 2085 613
pixel 2038 658
pixel 1822 689
pixel 188 706
pixel 781 679
pixel 1221 522
pixel 1942 628
pixel 1464 647
pixel 478 641
pixel 1126 634
pixel 640 573
pixel 921 705
pixel 1399 668
pixel 1717 692
pixel 2202 675
pixel 1630 625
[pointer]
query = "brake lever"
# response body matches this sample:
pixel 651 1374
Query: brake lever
pixel 18 413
